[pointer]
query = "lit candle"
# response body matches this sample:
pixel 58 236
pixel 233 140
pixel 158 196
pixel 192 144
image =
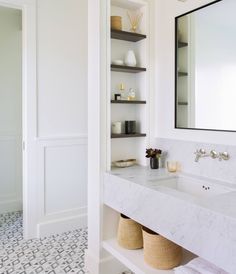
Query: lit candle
pixel 172 166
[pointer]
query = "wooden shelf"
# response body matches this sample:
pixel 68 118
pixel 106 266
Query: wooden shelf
pixel 127 36
pixel 132 102
pixel 133 259
pixel 127 69
pixel 123 135
pixel 180 74
pixel 182 44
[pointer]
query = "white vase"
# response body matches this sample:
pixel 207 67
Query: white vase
pixel 116 127
pixel 130 59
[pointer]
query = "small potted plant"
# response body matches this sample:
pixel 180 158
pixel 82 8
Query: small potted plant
pixel 154 155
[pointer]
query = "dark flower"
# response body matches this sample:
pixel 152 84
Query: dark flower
pixel 153 153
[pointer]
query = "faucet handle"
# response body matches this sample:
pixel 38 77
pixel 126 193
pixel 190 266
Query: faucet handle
pixel 224 156
pixel 202 151
pixel 214 154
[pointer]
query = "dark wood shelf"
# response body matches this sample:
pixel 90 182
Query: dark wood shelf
pixel 127 69
pixel 132 102
pixel 182 103
pixel 182 44
pixel 127 36
pixel 123 135
pixel 182 74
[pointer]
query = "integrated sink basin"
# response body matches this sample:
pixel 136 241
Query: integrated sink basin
pixel 192 186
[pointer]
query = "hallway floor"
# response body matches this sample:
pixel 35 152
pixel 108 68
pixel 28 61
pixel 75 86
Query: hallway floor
pixel 57 254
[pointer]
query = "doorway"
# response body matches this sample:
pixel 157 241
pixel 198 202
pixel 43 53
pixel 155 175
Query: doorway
pixel 11 155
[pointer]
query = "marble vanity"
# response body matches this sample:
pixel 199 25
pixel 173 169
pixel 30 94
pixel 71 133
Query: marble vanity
pixel 202 220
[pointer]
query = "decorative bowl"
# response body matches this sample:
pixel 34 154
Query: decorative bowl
pixel 125 163
pixel 118 62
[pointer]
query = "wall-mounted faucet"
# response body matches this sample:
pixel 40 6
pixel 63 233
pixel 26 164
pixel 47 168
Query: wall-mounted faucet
pixel 201 153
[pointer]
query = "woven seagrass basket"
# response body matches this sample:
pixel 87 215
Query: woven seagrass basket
pixel 129 234
pixel 159 252
pixel 116 22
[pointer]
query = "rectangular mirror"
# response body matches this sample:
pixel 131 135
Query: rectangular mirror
pixel 205 72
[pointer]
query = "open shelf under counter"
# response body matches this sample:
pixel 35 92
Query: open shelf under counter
pixel 123 135
pixel 133 259
pixel 127 36
pixel 131 102
pixel 127 69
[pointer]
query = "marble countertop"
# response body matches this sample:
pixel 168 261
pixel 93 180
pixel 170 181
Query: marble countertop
pixel 206 227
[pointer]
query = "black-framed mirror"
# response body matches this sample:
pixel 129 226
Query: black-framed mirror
pixel 205 69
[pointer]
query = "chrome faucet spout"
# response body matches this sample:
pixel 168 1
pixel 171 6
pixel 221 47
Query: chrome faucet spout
pixel 200 153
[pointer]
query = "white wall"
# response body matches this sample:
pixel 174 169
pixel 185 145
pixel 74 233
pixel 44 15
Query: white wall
pixel 10 110
pixel 164 102
pixel 62 115
pixel 62 67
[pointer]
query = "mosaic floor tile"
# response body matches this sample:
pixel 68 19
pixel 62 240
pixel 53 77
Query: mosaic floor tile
pixel 57 254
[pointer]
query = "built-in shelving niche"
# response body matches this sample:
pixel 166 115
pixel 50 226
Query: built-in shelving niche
pixel 123 146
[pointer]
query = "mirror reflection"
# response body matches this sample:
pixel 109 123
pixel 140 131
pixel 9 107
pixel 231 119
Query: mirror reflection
pixel 206 68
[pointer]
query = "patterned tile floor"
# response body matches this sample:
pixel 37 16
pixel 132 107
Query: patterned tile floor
pixel 58 254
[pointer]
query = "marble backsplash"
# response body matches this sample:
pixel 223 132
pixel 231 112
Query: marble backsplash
pixel 183 152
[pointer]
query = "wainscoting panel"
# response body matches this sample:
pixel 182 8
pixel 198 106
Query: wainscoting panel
pixel 62 184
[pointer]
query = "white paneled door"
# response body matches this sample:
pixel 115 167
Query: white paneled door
pixel 14 166
pixel 54 114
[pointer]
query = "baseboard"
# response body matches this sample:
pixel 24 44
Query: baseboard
pixel 108 265
pixel 61 225
pixel 10 206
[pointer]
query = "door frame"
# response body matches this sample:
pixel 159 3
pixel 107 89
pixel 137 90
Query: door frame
pixel 29 112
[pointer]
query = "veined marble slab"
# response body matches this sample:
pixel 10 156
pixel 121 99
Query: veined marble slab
pixel 206 227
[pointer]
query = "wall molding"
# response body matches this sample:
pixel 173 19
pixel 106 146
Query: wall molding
pixel 60 220
pixel 61 225
pixel 66 213
pixel 43 172
pixel 61 138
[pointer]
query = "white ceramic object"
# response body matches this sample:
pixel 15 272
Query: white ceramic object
pixel 192 186
pixel 116 127
pixel 125 163
pixel 130 59
pixel 118 62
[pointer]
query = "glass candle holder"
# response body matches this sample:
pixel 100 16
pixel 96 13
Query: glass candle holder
pixel 172 166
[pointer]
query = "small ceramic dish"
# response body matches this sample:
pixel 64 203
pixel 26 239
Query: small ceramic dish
pixel 125 163
pixel 118 62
